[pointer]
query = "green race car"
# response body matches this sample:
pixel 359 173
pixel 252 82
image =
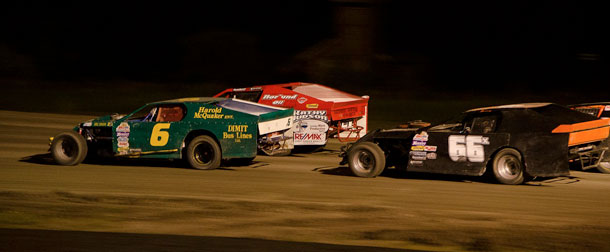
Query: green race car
pixel 203 131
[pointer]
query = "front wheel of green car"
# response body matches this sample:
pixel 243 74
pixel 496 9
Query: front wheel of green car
pixel 69 148
pixel 203 153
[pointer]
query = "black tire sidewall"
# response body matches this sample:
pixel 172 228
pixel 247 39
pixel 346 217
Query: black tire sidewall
pixel 81 146
pixel 509 181
pixel 377 154
pixel 190 153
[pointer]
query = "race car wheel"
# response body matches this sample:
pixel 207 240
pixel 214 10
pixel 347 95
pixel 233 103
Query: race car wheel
pixel 69 148
pixel 203 153
pixel 366 159
pixel 508 167
pixel 603 167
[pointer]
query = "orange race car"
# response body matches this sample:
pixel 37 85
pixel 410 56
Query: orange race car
pixel 596 159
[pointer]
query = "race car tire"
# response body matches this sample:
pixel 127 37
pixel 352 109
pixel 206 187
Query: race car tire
pixel 604 167
pixel 203 153
pixel 508 167
pixel 366 160
pixel 69 148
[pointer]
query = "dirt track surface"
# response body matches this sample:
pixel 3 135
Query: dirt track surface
pixel 304 201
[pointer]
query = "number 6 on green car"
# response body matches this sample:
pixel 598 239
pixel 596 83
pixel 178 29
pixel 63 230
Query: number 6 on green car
pixel 203 131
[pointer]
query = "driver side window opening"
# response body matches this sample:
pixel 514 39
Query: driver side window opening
pixel 160 113
pixel 484 124
pixel 170 113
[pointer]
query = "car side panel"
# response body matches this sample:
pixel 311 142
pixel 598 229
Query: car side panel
pixel 161 139
pixel 236 132
pixel 454 153
pixel 545 155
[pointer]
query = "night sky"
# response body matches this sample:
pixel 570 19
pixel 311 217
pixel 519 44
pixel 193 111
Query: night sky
pixel 452 45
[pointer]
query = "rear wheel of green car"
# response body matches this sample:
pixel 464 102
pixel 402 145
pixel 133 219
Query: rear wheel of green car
pixel 69 148
pixel 203 153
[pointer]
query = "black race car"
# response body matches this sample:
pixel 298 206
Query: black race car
pixel 512 142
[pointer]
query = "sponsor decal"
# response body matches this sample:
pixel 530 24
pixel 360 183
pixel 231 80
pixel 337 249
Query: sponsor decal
pixel 278 102
pixel 312 106
pixel 430 148
pixel 211 113
pixel 416 162
pixel 301 100
pixel 237 132
pixel 310 114
pixel 423 137
pixel 417 148
pixel 418 158
pixel 87 124
pixel 607 108
pixel 239 89
pixel 418 153
pixel 135 150
pixel 280 96
pixel 419 143
pixel 431 155
pixel 309 136
pixel 102 124
pixel 123 127
pixel 122 132
pixel 310 132
pixel 312 125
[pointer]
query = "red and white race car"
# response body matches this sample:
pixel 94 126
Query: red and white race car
pixel 320 112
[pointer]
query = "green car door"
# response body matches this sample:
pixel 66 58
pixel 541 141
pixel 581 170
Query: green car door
pixel 152 130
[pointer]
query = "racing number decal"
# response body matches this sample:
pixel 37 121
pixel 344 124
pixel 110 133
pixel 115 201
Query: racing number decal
pixel 462 148
pixel 158 136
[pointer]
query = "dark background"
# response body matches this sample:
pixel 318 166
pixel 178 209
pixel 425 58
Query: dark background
pixel 102 56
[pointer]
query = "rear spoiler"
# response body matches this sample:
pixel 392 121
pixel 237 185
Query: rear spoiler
pixel 585 132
